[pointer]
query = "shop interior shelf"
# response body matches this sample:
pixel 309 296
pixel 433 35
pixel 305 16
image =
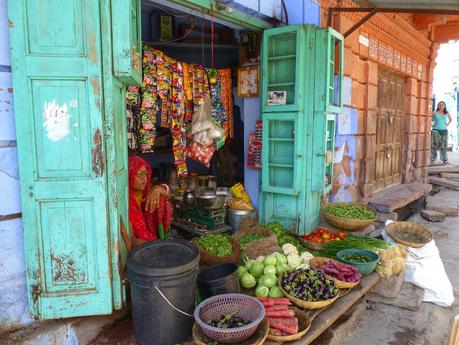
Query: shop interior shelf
pixel 281 84
pixel 193 45
pixel 282 57
pixel 276 165
pixel 282 139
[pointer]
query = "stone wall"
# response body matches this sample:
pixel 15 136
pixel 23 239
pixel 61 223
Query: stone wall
pixel 13 295
pixel 388 41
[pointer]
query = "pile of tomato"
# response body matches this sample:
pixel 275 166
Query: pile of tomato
pixel 321 235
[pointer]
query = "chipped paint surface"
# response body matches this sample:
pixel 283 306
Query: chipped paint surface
pixel 98 160
pixel 64 270
pixel 56 120
pixel 96 90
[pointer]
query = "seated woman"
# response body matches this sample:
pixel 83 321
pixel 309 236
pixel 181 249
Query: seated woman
pixel 144 202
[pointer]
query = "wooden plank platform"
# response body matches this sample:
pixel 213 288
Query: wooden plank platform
pixel 329 315
pixel 396 197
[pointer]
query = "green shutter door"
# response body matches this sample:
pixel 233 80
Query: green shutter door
pixel 121 21
pixel 57 80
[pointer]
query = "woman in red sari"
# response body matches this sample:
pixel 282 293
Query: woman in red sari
pixel 144 201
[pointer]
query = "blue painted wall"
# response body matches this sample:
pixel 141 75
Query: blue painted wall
pixel 13 298
pixel 250 113
pixel 302 12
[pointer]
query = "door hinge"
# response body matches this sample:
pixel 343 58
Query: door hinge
pixel 36 292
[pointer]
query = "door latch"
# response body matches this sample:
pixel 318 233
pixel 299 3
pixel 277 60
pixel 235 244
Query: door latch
pixel 36 292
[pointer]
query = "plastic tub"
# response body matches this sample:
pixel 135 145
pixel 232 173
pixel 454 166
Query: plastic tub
pixel 162 276
pixel 365 268
pixel 218 279
pixel 235 217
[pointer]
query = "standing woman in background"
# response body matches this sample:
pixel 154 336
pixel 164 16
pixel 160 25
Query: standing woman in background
pixel 441 119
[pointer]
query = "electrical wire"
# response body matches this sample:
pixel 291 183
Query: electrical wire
pixel 284 7
pixel 185 35
pixel 167 11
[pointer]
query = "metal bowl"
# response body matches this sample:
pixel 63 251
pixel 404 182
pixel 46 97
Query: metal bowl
pixel 211 201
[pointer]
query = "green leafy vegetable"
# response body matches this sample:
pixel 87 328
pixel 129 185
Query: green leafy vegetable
pixel 284 237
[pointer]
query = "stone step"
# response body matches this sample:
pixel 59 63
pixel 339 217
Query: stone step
pixel 433 216
pixel 439 204
pixel 450 176
pixel 444 183
pixel 396 197
pixel 436 170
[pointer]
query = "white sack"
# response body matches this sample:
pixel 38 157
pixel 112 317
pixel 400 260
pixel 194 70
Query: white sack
pixel 425 269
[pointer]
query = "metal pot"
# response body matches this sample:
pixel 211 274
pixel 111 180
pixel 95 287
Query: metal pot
pixel 211 201
pixel 236 216
pixel 189 198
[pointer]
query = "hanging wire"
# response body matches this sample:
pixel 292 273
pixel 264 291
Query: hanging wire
pixel 202 41
pixel 166 11
pixel 193 22
pixel 212 34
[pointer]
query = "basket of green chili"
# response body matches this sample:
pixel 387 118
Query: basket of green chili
pixel 217 249
pixel 349 216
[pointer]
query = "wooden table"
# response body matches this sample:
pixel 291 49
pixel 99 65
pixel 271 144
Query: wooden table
pixel 330 314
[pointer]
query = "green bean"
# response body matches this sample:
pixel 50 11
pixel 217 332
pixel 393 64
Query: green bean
pixel 350 211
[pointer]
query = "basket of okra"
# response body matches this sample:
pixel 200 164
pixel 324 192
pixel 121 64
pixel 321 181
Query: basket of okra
pixel 349 216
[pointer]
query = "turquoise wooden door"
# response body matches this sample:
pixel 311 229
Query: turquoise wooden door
pixel 122 24
pixel 58 96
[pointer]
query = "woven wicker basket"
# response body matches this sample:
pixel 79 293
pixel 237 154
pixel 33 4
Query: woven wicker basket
pixel 258 338
pixel 409 234
pixel 339 283
pixel 249 308
pixel 307 304
pixel 348 223
pixel 304 323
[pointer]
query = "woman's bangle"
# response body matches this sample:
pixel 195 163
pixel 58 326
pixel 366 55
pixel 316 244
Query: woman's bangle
pixel 165 186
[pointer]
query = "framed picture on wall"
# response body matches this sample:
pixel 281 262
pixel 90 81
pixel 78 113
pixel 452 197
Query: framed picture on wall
pixel 248 81
pixel 277 97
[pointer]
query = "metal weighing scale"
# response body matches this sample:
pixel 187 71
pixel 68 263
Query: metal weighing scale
pixel 200 215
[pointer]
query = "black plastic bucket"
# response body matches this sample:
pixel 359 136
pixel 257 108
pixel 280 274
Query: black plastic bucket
pixel 162 276
pixel 218 279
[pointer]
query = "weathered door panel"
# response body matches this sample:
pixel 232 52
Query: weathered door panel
pixel 389 129
pixel 118 190
pixel 127 40
pixel 57 82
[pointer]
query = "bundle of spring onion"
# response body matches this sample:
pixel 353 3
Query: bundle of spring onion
pixel 352 242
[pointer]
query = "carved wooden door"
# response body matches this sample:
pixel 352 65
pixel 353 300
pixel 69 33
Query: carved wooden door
pixel 389 128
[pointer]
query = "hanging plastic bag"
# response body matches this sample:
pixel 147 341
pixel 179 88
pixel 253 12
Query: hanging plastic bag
pixel 200 153
pixel 202 119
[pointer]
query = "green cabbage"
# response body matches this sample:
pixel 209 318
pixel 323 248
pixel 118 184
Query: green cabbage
pixel 248 281
pixel 270 260
pixel 270 269
pixel 269 280
pixel 241 270
pixel 281 258
pixel 256 269
pixel 275 291
pixel 261 291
